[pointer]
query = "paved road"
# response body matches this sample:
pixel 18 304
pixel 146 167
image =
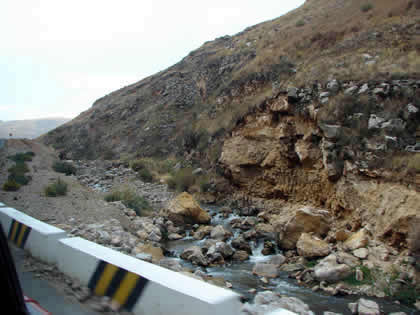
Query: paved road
pixel 44 293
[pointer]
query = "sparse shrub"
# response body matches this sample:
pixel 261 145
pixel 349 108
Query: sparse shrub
pixel 57 188
pixel 205 186
pixel 11 185
pixel 366 7
pixel 137 165
pixel 130 200
pixel 64 167
pixel 182 180
pixel 300 23
pixel 17 173
pixel 145 175
pixel 367 277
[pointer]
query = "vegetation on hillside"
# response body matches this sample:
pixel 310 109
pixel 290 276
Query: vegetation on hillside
pixel 138 203
pixel 57 188
pixel 17 173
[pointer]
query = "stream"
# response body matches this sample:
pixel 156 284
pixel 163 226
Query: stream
pixel 239 274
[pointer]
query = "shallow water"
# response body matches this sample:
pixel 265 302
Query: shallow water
pixel 242 279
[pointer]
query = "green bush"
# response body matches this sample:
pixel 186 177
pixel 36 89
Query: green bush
pixel 64 167
pixel 17 173
pixel 205 186
pixel 366 7
pixel 145 175
pixel 58 188
pixel 183 179
pixel 300 23
pixel 137 165
pixel 130 200
pixel 11 185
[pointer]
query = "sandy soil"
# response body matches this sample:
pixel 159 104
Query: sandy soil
pixel 80 205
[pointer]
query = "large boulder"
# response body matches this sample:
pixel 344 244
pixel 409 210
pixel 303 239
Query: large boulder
pixel 184 209
pixel 357 240
pixel 240 243
pixel 330 270
pixel 202 232
pixel 220 233
pixel 268 301
pixel 305 220
pixel 309 246
pixel 367 307
pixel 266 270
pixel 195 255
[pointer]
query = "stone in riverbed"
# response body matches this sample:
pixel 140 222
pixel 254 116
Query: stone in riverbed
pixel 308 246
pixel 219 233
pixel 184 209
pixel 240 255
pixel 329 270
pixel 202 232
pixel 367 307
pixel 272 301
pixel 361 253
pixel 241 244
pixel 265 270
pixel 195 255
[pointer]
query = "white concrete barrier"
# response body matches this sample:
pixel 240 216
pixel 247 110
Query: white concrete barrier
pixel 139 286
pixel 281 312
pixel 2 204
pixel 39 238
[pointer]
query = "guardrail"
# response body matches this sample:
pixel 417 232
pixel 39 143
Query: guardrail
pixel 134 284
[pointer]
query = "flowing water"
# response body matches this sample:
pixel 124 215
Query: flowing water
pixel 242 279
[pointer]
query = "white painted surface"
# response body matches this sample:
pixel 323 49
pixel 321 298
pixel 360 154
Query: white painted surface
pixel 281 312
pixel 2 204
pixel 43 238
pixel 168 292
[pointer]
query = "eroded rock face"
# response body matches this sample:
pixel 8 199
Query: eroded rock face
pixel 184 209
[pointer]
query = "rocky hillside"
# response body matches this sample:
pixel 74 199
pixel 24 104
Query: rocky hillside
pixel 319 106
pixel 30 128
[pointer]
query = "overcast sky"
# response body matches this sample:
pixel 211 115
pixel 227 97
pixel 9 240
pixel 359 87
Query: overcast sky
pixel 57 57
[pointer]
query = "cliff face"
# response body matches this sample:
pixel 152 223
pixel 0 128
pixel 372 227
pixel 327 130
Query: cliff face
pixel 319 106
pixel 363 165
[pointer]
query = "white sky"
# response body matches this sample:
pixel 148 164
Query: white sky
pixel 57 57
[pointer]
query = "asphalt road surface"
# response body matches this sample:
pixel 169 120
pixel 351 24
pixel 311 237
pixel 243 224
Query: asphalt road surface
pixel 43 292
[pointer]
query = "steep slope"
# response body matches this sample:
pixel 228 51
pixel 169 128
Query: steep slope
pixel 319 106
pixel 203 95
pixel 30 128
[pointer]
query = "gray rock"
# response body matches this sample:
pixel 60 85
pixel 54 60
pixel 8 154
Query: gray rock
pixel 197 171
pixel 145 257
pixel 351 90
pixel 271 301
pixel 331 131
pixel 324 94
pixel 361 253
pixel 277 260
pixel 171 263
pixel 333 86
pixel 266 270
pixel 329 270
pixel 375 121
pixel 364 88
pixel 367 307
pixel 396 124
pixel 359 274
pixel 353 308
pixel 195 255
pixel 292 94
pixel 219 233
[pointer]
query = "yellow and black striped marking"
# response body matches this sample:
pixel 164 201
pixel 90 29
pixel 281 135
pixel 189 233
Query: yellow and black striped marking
pixel 121 286
pixel 19 233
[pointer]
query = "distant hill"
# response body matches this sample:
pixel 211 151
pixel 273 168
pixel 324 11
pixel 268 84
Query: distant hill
pixel 31 128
